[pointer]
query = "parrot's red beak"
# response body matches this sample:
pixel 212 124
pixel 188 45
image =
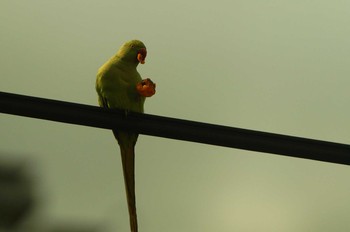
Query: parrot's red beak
pixel 146 88
pixel 141 55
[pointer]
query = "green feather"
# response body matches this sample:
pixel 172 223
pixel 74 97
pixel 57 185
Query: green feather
pixel 116 88
pixel 117 78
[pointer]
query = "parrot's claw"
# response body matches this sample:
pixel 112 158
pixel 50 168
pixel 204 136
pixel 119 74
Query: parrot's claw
pixel 146 88
pixel 126 113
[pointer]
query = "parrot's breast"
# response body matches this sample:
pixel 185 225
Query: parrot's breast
pixel 117 86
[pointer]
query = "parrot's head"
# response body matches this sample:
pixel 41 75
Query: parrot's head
pixel 133 51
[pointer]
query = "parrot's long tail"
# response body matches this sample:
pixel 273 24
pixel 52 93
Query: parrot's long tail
pixel 127 151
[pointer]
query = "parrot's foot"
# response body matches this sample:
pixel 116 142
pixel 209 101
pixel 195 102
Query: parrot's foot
pixel 146 88
pixel 126 113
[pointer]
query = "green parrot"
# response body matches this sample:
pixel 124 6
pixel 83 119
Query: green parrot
pixel 119 85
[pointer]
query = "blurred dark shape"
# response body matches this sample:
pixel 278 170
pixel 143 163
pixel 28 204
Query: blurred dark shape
pixel 16 194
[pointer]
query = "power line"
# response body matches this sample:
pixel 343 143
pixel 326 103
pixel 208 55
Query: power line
pixel 173 128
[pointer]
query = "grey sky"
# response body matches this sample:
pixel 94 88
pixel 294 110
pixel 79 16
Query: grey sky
pixel 276 66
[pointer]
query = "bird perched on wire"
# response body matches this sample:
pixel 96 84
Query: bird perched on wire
pixel 119 85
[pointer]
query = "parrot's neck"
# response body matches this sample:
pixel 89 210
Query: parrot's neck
pixel 123 62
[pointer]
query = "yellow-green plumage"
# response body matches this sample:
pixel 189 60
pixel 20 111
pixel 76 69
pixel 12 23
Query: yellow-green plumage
pixel 117 79
pixel 116 88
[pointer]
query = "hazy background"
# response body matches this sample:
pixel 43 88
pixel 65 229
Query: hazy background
pixel 276 66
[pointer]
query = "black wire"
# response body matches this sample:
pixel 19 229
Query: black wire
pixel 174 128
